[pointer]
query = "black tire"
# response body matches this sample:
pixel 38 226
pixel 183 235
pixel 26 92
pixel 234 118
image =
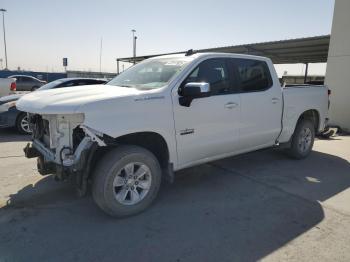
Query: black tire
pixel 34 88
pixel 103 190
pixel 300 148
pixel 19 126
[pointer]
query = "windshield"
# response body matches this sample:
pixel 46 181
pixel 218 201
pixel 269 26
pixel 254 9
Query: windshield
pixel 50 85
pixel 151 74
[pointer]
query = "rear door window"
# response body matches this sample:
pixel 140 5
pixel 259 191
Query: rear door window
pixel 68 83
pixel 96 82
pixel 27 79
pixel 253 75
pixel 91 82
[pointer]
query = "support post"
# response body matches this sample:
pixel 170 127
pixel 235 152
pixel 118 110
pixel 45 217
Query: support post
pixel 118 66
pixel 306 72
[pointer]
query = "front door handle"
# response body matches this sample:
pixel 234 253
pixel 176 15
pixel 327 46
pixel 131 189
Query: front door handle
pixel 231 105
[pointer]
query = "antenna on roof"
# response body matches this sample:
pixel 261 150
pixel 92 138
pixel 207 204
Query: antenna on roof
pixel 189 52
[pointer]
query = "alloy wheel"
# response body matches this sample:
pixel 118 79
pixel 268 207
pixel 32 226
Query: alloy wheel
pixel 305 138
pixel 132 183
pixel 25 125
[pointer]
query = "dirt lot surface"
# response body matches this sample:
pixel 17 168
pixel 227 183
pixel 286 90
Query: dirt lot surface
pixel 258 206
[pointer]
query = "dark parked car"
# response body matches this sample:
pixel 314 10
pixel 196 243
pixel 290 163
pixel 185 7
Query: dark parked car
pixel 27 83
pixel 10 116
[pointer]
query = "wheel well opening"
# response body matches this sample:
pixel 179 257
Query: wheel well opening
pixel 313 116
pixel 153 142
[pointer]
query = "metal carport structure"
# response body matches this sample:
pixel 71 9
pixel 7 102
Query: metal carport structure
pixel 300 50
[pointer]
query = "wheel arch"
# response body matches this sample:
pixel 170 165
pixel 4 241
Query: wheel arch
pixel 152 141
pixel 313 115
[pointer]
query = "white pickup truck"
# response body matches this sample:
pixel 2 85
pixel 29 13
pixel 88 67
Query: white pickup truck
pixel 7 86
pixel 165 114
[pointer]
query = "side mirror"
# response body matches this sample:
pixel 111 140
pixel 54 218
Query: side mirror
pixel 191 91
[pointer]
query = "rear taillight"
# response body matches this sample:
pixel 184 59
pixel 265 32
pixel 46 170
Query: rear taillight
pixel 13 86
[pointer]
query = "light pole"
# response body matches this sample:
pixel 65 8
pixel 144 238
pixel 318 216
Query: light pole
pixel 3 26
pixel 133 44
pixel 100 54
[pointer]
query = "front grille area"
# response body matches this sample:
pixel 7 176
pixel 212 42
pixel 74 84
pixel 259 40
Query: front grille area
pixel 41 129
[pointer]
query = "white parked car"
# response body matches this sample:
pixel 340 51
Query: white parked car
pixel 165 114
pixel 7 86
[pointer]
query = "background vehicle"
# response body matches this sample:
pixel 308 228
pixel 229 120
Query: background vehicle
pixel 27 83
pixel 7 86
pixel 10 116
pixel 165 114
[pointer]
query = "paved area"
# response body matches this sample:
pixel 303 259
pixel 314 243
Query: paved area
pixel 259 206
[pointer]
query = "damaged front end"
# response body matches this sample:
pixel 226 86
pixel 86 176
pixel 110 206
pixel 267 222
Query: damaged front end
pixel 63 146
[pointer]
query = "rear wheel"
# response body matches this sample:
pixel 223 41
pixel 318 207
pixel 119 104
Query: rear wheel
pixel 22 124
pixel 34 88
pixel 303 139
pixel 126 181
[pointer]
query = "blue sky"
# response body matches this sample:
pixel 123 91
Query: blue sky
pixel 40 33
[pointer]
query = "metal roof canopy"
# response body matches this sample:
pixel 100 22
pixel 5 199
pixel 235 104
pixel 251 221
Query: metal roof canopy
pixel 300 50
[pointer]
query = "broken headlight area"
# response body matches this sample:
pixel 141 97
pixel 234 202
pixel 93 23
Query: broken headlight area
pixel 62 143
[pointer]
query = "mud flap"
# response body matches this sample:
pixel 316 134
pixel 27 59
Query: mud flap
pixel 169 173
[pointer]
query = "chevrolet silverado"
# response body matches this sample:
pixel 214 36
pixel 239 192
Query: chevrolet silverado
pixel 165 114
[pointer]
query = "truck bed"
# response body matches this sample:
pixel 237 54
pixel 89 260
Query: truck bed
pixel 297 99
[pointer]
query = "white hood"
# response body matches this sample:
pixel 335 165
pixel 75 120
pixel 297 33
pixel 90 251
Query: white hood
pixel 68 100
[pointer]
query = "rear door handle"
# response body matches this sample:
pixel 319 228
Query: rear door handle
pixel 275 100
pixel 231 105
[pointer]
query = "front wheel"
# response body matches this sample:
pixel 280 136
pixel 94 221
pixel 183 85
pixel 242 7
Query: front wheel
pixel 303 139
pixel 22 124
pixel 126 181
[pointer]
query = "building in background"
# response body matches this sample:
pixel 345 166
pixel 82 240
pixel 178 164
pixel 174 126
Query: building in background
pixel 338 66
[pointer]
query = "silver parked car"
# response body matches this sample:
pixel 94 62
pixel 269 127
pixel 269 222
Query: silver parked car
pixel 27 83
